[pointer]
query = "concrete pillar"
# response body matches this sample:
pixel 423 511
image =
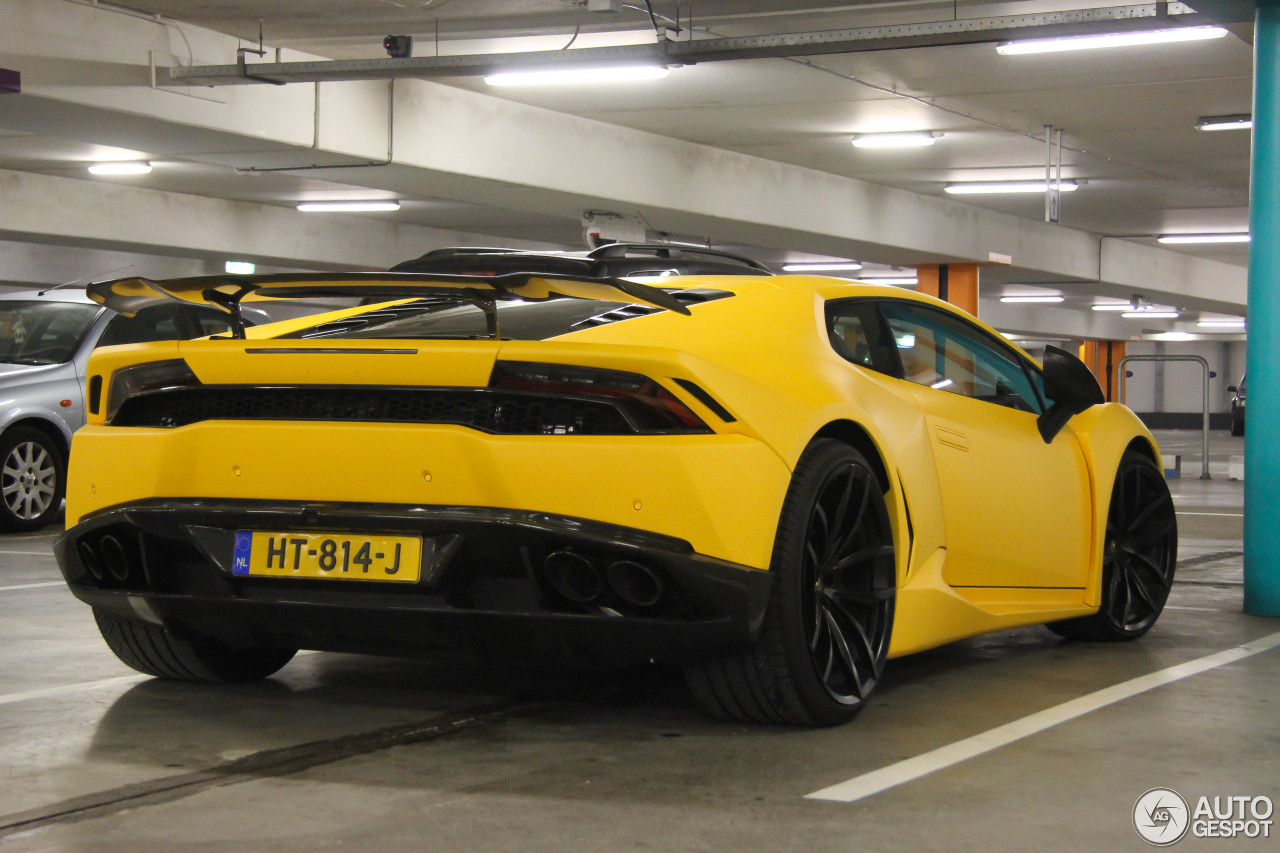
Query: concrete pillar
pixel 954 283
pixel 1262 435
pixel 1103 357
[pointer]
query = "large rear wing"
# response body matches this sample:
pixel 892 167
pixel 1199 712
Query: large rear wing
pixel 130 295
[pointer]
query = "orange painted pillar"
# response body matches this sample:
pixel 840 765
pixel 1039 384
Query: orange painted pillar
pixel 954 283
pixel 1103 358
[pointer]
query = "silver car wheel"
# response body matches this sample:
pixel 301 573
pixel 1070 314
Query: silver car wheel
pixel 28 481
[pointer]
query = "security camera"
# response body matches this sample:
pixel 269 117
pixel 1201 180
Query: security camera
pixel 600 228
pixel 398 47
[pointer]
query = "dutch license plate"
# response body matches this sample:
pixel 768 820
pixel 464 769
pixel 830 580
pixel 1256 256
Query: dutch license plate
pixel 336 556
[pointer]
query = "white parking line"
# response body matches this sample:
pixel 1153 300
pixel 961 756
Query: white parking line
pixel 46 692
pixel 48 553
pixel 81 687
pixel 32 585
pixel 876 781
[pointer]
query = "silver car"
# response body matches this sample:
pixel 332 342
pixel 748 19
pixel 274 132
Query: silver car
pixel 46 338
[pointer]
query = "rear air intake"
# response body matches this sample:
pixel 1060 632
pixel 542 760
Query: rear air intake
pixel 513 405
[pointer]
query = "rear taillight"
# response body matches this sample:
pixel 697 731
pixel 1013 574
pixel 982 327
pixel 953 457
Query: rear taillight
pixel 646 404
pixel 147 378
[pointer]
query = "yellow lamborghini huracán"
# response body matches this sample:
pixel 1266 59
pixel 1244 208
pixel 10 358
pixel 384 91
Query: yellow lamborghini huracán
pixel 778 482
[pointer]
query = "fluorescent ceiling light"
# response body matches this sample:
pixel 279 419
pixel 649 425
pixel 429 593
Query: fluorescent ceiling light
pixel 1009 187
pixel 1221 324
pixel 1032 298
pixel 239 267
pixel 1240 121
pixel 1114 306
pixel 1150 315
pixel 1204 238
pixel 832 266
pixel 121 167
pixel 899 280
pixel 1090 42
pixel 911 139
pixel 575 76
pixel 347 206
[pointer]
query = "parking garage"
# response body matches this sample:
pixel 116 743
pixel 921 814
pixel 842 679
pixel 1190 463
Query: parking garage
pixel 234 121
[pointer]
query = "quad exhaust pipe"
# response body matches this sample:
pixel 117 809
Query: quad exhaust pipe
pixel 635 583
pixel 574 576
pixel 90 560
pixel 585 581
pixel 114 557
pixel 109 559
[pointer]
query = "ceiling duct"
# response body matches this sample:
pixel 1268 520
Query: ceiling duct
pixel 676 53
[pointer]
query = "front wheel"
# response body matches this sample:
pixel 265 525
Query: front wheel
pixel 1139 555
pixel 825 637
pixel 153 650
pixel 32 479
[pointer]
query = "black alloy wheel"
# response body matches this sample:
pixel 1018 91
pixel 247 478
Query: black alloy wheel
pixel 825 638
pixel 1139 556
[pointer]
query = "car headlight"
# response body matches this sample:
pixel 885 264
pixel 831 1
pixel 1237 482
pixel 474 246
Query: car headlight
pixel 146 378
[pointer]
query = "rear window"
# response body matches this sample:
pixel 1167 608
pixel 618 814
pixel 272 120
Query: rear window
pixel 517 320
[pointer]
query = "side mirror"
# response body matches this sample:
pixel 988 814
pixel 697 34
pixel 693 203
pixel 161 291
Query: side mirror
pixel 1233 389
pixel 1071 386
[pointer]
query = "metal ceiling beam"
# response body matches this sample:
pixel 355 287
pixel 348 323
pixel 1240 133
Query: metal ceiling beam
pixel 1225 11
pixel 675 53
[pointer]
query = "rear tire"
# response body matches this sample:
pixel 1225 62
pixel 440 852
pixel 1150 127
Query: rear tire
pixel 155 651
pixel 825 637
pixel 1140 553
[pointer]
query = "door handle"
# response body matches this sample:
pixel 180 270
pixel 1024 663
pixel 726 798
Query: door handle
pixel 951 438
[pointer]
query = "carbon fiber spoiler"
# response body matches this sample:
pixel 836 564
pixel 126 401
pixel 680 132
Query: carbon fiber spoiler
pixel 130 295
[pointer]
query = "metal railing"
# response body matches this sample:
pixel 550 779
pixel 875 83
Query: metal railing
pixel 1204 464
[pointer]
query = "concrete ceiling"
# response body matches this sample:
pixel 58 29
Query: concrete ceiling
pixel 1128 118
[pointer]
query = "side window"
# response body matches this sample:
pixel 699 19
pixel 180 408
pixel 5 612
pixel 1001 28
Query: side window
pixel 949 355
pixel 211 321
pixel 158 323
pixel 858 335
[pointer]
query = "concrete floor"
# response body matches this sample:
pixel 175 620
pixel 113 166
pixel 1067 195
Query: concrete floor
pixel 347 752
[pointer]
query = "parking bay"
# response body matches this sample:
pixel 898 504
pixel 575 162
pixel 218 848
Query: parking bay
pixel 358 752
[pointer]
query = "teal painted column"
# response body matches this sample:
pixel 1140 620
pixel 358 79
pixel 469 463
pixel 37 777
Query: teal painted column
pixel 1262 431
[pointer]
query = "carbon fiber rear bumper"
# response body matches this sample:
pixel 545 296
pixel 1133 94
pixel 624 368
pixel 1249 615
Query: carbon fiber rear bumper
pixel 484 588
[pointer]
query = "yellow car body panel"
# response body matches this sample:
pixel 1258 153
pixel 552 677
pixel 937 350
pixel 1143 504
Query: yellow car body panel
pixel 940 613
pixel 1001 485
pixel 1105 432
pixel 962 569
pixel 659 484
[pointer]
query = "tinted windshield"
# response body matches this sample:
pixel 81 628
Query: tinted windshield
pixel 42 332
pixel 424 319
pixel 521 321
pixel 518 320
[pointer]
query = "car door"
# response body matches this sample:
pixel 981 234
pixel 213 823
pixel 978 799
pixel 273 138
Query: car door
pixel 1017 511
